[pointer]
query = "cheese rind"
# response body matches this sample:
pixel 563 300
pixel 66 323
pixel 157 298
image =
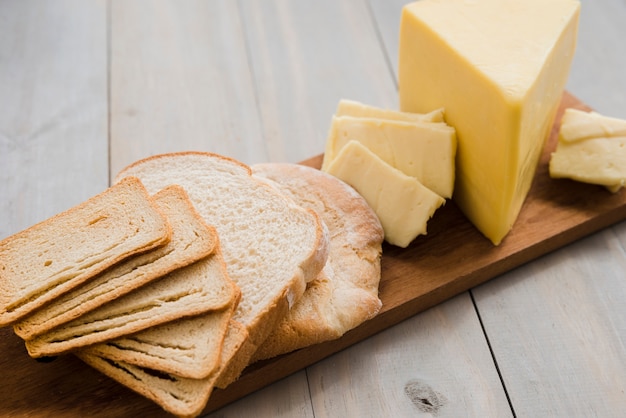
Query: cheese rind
pixel 354 108
pixel 591 149
pixel 499 68
pixel 402 203
pixel 425 151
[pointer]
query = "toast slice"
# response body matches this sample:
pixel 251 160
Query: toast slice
pixel 201 287
pixel 192 239
pixel 345 293
pixel 187 347
pixel 53 257
pixel 272 247
pixel 177 395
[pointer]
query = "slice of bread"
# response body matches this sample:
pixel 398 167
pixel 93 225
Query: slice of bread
pixel 192 239
pixel 50 258
pixel 187 347
pixel 345 293
pixel 180 396
pixel 192 290
pixel 272 247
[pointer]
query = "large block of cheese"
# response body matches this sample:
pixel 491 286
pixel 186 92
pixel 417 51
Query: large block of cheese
pixel 591 149
pixel 498 68
pixel 422 150
pixel 402 203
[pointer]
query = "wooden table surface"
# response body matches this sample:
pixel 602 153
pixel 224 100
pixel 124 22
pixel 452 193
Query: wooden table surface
pixel 87 87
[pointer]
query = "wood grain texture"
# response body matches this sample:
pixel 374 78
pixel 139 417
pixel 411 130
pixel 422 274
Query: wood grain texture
pixel 444 375
pixel 305 57
pixel 553 329
pixel 53 108
pixel 180 80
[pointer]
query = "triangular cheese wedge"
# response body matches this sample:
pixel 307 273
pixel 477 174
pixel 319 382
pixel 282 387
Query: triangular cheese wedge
pixel 498 68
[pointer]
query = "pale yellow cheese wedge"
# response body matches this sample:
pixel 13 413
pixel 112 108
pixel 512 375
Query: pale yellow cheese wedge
pixel 354 108
pixel 425 151
pixel 498 68
pixel 402 203
pixel 591 149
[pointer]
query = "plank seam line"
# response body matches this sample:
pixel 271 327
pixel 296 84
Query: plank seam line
pixel 381 41
pixel 493 356
pixel 308 385
pixel 246 40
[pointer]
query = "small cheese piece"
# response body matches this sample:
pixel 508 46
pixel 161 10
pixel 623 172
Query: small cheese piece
pixel 591 149
pixel 425 151
pixel 354 108
pixel 498 68
pixel 402 203
pixel 577 125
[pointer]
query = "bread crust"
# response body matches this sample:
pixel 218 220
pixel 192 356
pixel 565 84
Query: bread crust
pixel 55 256
pixel 191 290
pixel 210 181
pixel 345 293
pixel 192 239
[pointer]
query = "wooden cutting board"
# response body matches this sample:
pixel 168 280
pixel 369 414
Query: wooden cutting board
pixel 452 258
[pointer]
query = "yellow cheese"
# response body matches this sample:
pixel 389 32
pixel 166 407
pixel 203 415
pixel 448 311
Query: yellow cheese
pixel 577 125
pixel 354 108
pixel 591 149
pixel 402 203
pixel 422 150
pixel 498 68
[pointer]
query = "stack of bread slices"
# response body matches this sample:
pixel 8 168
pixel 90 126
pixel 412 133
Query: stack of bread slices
pixel 190 267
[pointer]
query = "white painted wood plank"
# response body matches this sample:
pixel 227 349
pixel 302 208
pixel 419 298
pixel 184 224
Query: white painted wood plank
pixel 598 75
pixel 387 19
pixel 306 56
pixel 53 108
pixel 558 330
pixel 435 364
pixel 180 81
pixel 286 398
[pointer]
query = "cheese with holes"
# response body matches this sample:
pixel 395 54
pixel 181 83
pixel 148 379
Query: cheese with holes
pixel 402 203
pixel 354 108
pixel 498 68
pixel 422 150
pixel 591 149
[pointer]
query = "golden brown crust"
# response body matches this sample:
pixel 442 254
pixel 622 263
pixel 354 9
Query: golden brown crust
pixel 192 290
pixel 143 161
pixel 192 239
pixel 345 293
pixel 54 256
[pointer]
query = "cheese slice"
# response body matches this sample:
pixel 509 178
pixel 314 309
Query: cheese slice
pixel 422 150
pixel 402 203
pixel 498 68
pixel 591 149
pixel 577 125
pixel 354 108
